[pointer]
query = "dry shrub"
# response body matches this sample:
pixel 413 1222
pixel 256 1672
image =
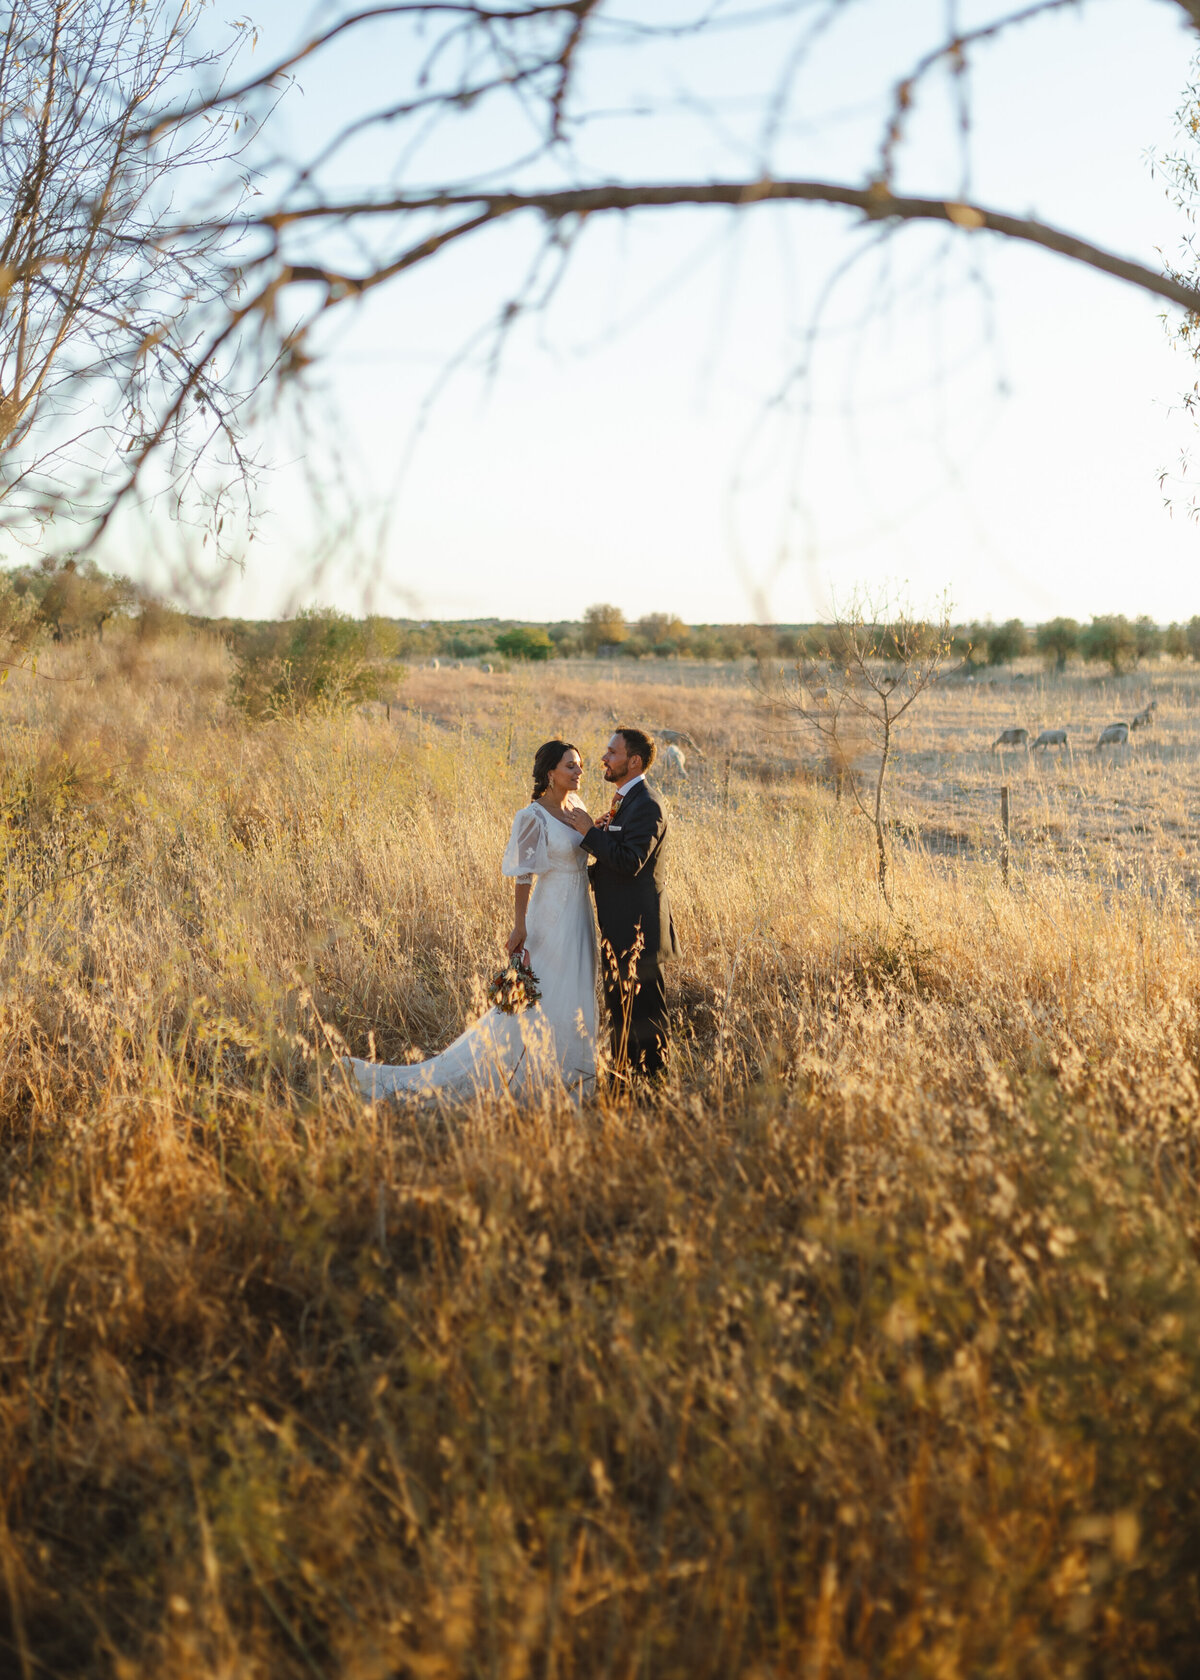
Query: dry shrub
pixel 320 660
pixel 869 1347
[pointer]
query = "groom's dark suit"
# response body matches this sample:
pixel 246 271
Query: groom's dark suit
pixel 629 881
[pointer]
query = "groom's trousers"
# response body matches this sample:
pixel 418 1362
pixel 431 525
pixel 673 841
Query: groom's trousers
pixel 636 999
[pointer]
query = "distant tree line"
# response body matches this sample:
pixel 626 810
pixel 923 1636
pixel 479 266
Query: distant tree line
pixel 285 660
pixel 1111 639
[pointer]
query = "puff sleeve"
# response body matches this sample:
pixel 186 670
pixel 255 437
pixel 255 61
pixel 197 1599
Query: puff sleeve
pixel 528 852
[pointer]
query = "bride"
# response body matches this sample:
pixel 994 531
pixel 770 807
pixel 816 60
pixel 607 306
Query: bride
pixel 555 1039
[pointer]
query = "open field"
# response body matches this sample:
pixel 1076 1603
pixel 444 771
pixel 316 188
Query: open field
pixel 1107 811
pixel 870 1347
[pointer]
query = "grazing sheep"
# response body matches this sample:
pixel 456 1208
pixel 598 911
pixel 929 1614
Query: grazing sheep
pixel 1115 735
pixel 673 762
pixel 1011 738
pixel 1141 720
pixel 679 738
pixel 1051 738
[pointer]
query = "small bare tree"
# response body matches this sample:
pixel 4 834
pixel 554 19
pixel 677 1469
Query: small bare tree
pixel 100 317
pixel 853 695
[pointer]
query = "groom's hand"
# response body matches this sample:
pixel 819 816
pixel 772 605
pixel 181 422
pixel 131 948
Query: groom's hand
pixel 579 820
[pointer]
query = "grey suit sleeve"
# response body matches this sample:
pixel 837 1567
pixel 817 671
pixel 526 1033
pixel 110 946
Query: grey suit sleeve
pixel 627 852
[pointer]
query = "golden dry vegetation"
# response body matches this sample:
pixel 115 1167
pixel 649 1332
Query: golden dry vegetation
pixel 868 1347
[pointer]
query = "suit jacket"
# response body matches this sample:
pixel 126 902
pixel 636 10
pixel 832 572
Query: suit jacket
pixel 629 879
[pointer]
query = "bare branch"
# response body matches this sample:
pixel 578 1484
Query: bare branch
pixel 577 10
pixel 476 55
pixel 874 202
pixel 954 51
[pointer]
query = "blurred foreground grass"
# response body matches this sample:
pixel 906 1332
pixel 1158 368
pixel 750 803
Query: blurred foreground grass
pixel 871 1348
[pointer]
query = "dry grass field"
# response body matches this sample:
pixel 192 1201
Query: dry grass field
pixel 868 1347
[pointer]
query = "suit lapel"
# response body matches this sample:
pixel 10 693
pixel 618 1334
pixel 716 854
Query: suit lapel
pixel 630 797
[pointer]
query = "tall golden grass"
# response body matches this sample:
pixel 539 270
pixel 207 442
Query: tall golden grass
pixel 870 1346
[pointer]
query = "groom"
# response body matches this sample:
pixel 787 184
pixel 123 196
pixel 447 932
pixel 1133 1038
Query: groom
pixel 628 879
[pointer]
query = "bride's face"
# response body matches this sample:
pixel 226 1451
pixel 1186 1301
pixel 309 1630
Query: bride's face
pixel 567 773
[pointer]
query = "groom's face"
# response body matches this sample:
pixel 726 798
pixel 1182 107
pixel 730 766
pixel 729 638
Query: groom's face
pixel 616 761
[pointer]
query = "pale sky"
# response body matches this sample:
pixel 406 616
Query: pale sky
pixel 1006 449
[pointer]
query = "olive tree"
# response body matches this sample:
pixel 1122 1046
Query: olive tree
pixel 1110 639
pixel 1057 639
pixel 1006 642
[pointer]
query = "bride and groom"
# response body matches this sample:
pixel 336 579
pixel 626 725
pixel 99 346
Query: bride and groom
pixel 555 851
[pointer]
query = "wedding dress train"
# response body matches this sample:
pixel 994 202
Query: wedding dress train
pixel 556 1039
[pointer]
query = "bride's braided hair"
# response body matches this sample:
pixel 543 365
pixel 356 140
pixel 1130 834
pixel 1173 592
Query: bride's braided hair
pixel 548 757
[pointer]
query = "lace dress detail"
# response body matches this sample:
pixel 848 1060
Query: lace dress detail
pixel 556 1039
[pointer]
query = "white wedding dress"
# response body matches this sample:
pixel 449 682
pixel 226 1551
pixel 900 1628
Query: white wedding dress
pixel 553 1042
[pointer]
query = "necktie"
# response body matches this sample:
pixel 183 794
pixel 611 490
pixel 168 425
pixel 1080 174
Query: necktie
pixel 616 806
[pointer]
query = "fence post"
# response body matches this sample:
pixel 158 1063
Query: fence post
pixel 1004 836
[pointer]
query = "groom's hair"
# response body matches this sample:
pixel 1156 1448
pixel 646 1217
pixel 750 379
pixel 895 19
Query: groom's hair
pixel 637 741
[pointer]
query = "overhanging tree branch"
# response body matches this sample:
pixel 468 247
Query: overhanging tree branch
pixel 874 202
pixel 488 76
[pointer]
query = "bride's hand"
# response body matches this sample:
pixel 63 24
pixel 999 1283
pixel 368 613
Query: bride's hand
pixel 579 819
pixel 516 941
